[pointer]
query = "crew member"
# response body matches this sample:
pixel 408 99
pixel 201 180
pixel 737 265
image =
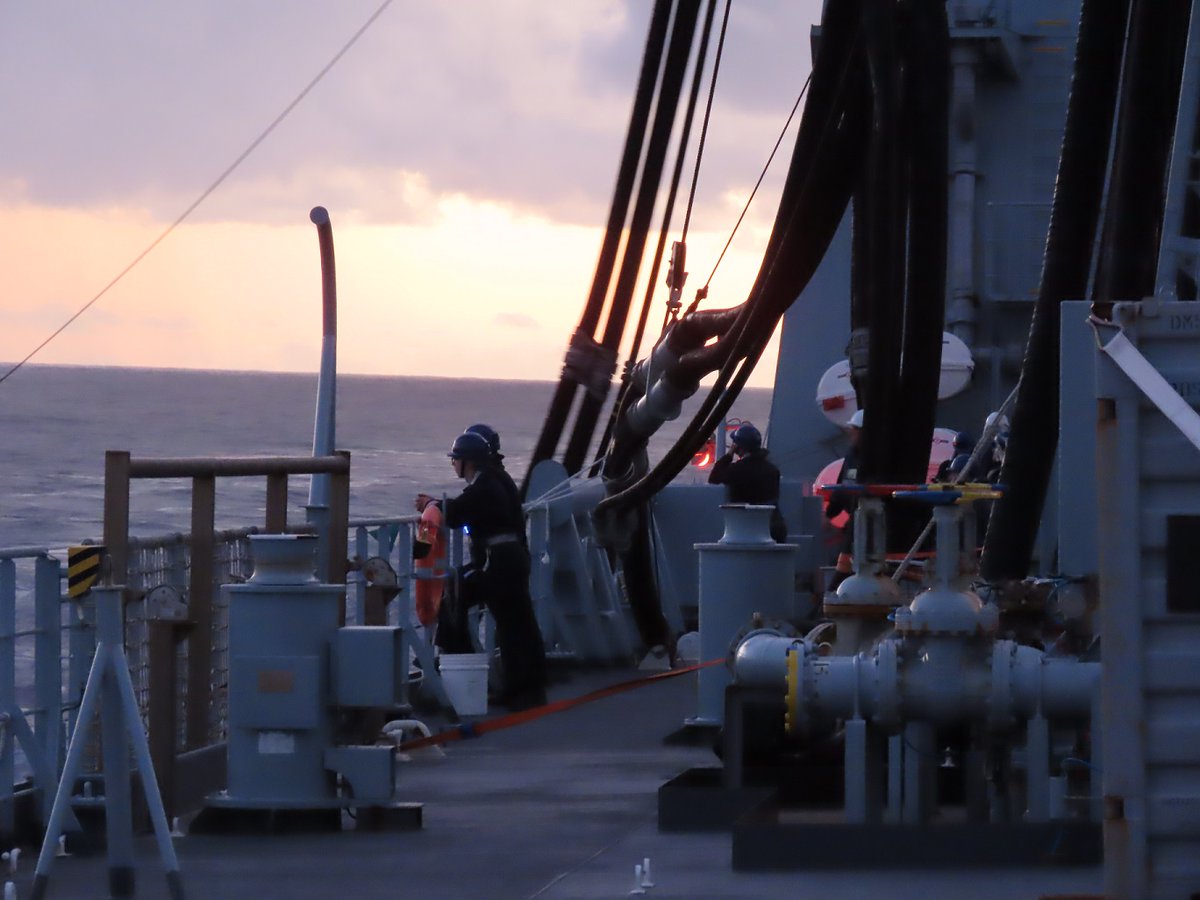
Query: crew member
pixel 496 458
pixel 846 501
pixel 950 468
pixel 750 477
pixel 498 576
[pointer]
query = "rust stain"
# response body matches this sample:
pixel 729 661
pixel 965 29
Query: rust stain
pixel 276 681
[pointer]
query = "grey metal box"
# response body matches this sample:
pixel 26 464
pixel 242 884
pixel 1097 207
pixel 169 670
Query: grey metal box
pixel 368 665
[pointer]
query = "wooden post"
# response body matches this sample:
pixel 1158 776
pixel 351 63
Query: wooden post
pixel 161 710
pixel 199 680
pixel 277 489
pixel 116 513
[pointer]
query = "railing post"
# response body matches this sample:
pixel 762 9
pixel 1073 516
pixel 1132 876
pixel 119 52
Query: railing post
pixel 160 707
pixel 362 550
pixel 200 611
pixel 339 524
pixel 8 687
pixel 81 643
pixel 47 662
pixel 116 513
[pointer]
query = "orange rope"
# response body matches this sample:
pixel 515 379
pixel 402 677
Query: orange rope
pixel 478 729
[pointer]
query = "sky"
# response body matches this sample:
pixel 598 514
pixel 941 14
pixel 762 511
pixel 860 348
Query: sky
pixel 466 152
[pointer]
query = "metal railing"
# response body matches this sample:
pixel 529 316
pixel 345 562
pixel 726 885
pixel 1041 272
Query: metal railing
pixel 53 638
pixel 31 640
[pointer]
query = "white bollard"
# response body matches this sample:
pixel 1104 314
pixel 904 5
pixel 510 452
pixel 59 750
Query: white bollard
pixel 62 846
pixel 637 880
pixel 13 856
pixel 176 832
pixel 647 881
pixel 10 891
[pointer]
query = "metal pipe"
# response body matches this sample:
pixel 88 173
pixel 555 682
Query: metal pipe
pixel 760 659
pixel 325 418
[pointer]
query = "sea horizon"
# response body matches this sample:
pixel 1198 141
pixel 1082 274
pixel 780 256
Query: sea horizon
pixel 60 419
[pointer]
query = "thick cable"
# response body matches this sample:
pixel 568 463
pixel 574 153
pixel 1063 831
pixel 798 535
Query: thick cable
pixel 564 393
pixel 478 729
pixel 1074 214
pixel 815 151
pixel 656 262
pixel 678 50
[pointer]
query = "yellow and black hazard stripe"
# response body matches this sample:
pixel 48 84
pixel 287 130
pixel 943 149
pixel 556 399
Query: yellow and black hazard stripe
pixel 83 568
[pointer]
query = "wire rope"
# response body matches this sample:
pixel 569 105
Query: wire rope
pixel 736 225
pixel 712 90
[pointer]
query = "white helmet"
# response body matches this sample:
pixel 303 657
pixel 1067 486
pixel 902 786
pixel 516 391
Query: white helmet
pixel 992 417
pixel 856 420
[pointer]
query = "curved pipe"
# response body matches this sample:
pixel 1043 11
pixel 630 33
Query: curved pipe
pixel 325 418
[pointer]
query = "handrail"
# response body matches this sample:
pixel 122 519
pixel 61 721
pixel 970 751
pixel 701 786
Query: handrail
pixel 236 466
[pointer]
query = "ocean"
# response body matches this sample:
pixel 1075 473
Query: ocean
pixel 58 421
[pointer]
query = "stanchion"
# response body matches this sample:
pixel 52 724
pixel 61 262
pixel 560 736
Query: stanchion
pixel 109 685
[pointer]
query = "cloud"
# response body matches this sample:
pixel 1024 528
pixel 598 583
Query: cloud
pixel 522 103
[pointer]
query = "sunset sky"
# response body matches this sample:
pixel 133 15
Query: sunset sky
pixel 466 152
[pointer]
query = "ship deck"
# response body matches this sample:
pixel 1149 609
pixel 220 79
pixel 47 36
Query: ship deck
pixel 560 807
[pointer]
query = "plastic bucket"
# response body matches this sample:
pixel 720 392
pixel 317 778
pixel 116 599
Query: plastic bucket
pixel 465 677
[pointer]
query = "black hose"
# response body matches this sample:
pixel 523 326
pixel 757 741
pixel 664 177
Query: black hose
pixel 664 230
pixel 824 168
pixel 564 394
pixel 1078 194
pixel 835 85
pixel 1132 227
pixel 884 241
pixel 678 50
pixel 927 105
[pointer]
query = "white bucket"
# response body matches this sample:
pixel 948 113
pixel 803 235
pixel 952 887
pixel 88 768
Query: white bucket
pixel 465 677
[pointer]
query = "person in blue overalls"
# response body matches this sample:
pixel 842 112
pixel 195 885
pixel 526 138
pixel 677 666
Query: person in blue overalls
pixel 498 575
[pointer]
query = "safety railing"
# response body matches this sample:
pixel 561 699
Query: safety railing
pixel 31 638
pixel 34 635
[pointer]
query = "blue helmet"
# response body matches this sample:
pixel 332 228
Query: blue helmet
pixel 488 433
pixel 963 442
pixel 747 437
pixel 470 447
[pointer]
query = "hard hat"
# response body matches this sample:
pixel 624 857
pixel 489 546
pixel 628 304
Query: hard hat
pixel 488 433
pixel 856 420
pixel 963 441
pixel 747 437
pixel 471 447
pixel 992 417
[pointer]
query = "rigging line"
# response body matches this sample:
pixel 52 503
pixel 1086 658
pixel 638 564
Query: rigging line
pixel 750 199
pixel 712 90
pixel 210 189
